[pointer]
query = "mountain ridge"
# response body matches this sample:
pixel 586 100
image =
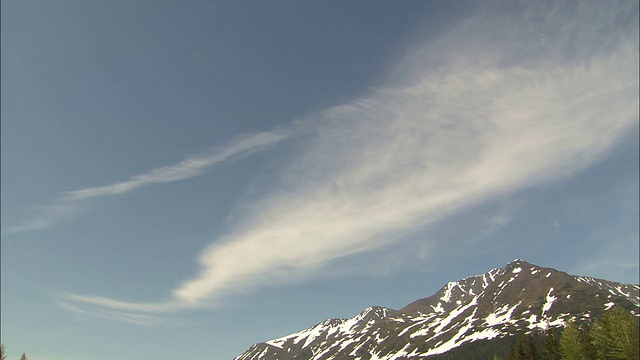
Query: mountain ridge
pixel 519 297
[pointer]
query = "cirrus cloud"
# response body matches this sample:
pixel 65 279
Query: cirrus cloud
pixel 458 123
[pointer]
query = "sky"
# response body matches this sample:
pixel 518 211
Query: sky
pixel 183 179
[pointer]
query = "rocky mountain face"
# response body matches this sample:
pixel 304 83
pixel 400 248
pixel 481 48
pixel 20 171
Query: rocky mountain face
pixel 515 299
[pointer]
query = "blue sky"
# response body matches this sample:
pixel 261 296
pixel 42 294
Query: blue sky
pixel 184 179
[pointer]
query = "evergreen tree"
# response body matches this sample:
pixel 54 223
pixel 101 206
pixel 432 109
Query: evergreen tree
pixel 571 343
pixel 551 350
pixel 24 357
pixel 588 351
pixel 621 335
pixel 529 349
pixel 511 353
pixel 599 340
pixel 520 351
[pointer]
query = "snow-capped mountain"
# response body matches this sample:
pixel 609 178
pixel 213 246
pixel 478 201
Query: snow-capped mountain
pixel 517 298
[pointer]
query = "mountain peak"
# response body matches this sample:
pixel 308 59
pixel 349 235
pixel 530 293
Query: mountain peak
pixel 519 262
pixel 372 313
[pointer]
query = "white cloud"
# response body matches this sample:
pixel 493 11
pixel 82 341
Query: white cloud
pixel 399 161
pixel 613 259
pixel 451 135
pixel 496 222
pixel 73 202
pixel 121 316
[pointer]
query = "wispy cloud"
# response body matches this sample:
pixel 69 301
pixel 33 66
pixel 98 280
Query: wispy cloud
pixel 617 258
pixel 472 116
pixel 73 202
pixel 121 316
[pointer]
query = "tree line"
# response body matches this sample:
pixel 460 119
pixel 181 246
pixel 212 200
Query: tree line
pixel 615 337
pixel 3 355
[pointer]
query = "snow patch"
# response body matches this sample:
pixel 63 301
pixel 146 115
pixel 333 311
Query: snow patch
pixel 501 316
pixel 448 290
pixel 444 322
pixel 550 299
pixel 438 308
pixel 276 343
pixel 487 334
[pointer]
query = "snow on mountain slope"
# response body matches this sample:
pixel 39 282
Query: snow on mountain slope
pixel 517 298
pixel 629 291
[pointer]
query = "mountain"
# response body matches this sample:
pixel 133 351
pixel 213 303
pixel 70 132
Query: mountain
pixel 519 298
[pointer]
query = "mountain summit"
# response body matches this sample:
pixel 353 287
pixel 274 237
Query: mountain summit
pixel 517 298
